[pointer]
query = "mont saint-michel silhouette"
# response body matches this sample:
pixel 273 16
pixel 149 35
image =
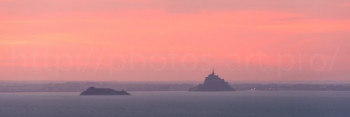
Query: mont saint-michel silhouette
pixel 213 83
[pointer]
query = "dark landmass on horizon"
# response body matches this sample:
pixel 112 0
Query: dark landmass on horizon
pixel 103 91
pixel 154 86
pixel 213 83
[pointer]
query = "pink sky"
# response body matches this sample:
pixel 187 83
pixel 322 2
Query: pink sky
pixel 174 40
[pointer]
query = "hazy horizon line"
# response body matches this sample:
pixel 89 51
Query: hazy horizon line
pixel 170 81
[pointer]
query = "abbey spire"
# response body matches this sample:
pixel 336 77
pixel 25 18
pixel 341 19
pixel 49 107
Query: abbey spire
pixel 213 72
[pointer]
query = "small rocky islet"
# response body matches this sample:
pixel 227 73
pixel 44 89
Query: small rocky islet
pixel 103 91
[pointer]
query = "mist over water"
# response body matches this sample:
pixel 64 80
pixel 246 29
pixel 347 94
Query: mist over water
pixel 178 104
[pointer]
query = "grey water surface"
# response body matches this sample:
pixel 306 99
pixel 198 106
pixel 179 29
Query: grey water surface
pixel 179 104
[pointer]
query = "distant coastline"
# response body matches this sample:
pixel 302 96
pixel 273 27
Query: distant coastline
pixel 154 86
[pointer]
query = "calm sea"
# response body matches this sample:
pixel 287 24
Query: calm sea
pixel 179 104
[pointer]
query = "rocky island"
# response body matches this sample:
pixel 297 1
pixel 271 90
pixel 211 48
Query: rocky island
pixel 213 83
pixel 103 91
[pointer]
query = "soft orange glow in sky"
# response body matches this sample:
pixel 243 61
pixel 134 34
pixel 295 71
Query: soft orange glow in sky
pixel 174 40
